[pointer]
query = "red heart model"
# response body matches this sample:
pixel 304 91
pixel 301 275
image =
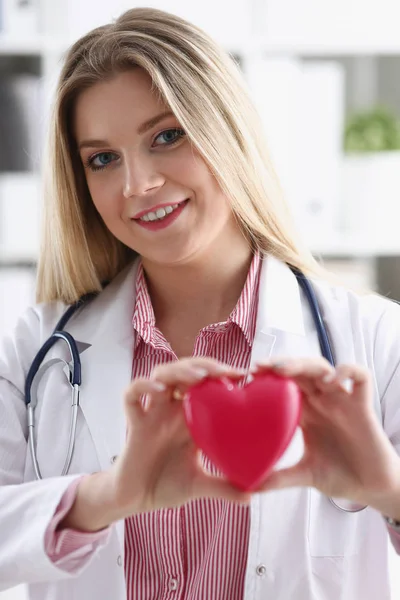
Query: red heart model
pixel 243 431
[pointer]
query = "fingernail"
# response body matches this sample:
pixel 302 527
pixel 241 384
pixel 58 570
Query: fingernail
pixel 222 368
pixel 328 378
pixel 199 373
pixel 264 363
pixel 278 365
pixel 227 369
pixel 346 385
pixel 157 386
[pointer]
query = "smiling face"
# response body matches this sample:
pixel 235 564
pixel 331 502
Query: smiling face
pixel 151 187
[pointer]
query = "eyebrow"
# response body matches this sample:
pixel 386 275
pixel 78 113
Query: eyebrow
pixel 143 128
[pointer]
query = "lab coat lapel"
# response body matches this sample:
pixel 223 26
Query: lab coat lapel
pixel 280 329
pixel 106 324
pixel 280 324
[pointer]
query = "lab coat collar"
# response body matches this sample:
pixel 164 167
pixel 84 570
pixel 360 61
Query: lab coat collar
pixel 280 314
pixel 280 306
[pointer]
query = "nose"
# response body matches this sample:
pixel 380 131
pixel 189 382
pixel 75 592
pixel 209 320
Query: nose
pixel 141 176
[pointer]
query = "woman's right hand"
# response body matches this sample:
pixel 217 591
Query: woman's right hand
pixel 159 466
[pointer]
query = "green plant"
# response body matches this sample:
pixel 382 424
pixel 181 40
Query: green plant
pixel 376 130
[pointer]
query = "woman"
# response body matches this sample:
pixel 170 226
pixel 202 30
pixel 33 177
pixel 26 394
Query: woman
pixel 160 185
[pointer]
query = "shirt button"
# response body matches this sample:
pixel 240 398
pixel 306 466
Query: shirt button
pixel 173 585
pixel 261 570
pixel 119 561
pixel 114 459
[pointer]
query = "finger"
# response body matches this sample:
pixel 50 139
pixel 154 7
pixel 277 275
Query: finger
pixel 358 375
pixel 347 379
pixel 138 389
pixel 212 486
pixel 297 476
pixel 305 372
pixel 212 366
pixel 311 367
pixel 216 368
pixel 186 373
pixel 354 380
pixel 181 374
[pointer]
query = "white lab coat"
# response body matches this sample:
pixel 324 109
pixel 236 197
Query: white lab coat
pixel 308 548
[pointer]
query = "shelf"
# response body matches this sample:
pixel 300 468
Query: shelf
pixel 329 50
pixel 20 46
pixel 248 47
pixel 37 45
pixel 31 46
pixel 26 264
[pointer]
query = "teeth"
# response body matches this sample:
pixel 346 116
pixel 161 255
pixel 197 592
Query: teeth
pixel 160 213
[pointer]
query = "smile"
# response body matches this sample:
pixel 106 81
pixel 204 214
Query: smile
pixel 160 213
pixel 161 217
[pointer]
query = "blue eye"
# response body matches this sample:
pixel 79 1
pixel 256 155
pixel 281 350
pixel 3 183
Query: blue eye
pixel 101 160
pixel 170 136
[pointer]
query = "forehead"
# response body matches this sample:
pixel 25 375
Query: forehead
pixel 127 98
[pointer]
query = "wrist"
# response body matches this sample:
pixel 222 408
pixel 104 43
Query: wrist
pixel 94 508
pixel 388 503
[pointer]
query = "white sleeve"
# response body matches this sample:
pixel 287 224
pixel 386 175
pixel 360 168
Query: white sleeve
pixel 26 509
pixel 387 373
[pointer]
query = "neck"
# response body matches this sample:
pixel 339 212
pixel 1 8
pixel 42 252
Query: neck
pixel 203 290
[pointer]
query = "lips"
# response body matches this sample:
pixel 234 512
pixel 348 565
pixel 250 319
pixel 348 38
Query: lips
pixel 154 209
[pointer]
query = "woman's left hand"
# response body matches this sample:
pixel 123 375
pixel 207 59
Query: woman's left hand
pixel 346 452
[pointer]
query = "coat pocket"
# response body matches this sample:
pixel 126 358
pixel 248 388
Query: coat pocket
pixel 331 531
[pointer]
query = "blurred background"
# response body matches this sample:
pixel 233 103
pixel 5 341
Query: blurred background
pixel 324 75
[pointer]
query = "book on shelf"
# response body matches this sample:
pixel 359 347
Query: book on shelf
pixel 21 127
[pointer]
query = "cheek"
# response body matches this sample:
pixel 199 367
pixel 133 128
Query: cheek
pixel 201 180
pixel 215 200
pixel 103 198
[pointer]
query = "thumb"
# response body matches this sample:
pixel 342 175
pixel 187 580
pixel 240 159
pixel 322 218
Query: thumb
pixel 297 476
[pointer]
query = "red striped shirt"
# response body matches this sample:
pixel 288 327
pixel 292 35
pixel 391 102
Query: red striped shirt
pixel 198 551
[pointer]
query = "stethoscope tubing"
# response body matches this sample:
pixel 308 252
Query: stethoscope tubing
pixel 75 380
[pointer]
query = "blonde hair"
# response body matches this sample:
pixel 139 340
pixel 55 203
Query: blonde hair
pixel 204 89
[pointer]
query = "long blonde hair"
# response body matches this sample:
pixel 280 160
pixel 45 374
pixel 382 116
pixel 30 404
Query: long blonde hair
pixel 204 89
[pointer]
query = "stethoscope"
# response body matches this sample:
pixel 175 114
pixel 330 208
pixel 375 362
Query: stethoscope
pixel 75 375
